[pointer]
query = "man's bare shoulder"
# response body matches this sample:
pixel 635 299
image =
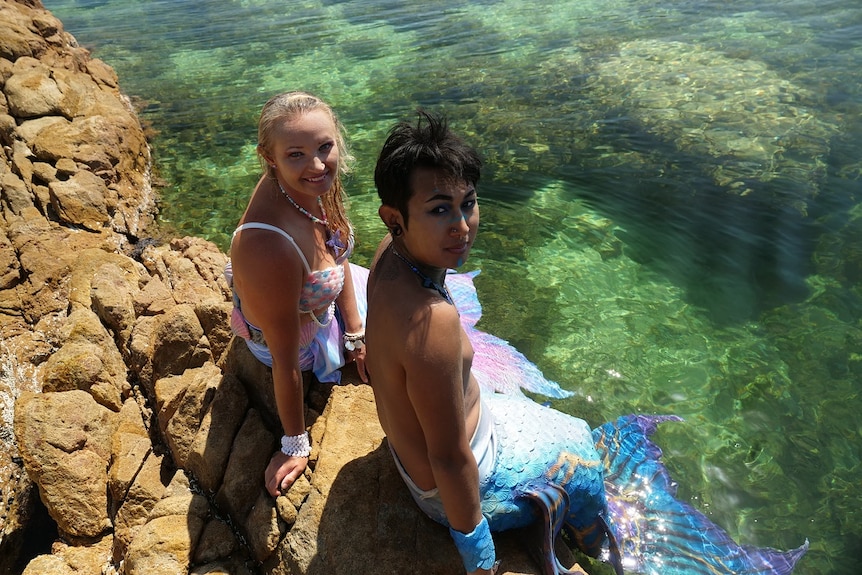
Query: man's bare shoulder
pixel 415 327
pixel 407 306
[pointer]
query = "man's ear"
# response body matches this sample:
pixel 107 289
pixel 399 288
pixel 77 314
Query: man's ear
pixel 391 216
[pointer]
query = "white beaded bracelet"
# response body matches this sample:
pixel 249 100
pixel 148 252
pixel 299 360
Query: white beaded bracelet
pixel 354 341
pixel 295 445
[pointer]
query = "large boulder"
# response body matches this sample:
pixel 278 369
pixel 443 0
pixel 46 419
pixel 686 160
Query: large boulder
pixel 64 439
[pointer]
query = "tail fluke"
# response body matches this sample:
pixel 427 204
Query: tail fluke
pixel 552 503
pixel 616 558
pixel 659 533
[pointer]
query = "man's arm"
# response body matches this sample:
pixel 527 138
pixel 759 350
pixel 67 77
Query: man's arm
pixel 435 385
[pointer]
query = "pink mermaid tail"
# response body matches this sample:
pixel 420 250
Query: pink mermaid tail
pixel 496 364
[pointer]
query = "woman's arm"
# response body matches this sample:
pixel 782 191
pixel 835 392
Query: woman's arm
pixel 270 300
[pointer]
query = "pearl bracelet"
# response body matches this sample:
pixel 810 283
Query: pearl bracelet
pixel 295 445
pixel 354 341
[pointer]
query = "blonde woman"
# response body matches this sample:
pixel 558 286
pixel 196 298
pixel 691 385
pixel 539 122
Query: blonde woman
pixel 295 302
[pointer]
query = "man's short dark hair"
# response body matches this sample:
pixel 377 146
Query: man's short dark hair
pixel 429 143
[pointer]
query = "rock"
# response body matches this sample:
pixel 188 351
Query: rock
pixel 242 484
pixel 183 408
pixel 17 21
pixel 64 439
pixel 385 525
pixel 112 293
pixel 72 559
pixel 145 491
pixel 164 546
pixel 48 565
pixel 155 298
pixel 217 541
pixel 761 131
pixel 19 197
pixel 209 452
pixel 80 200
pixel 9 270
pixel 227 567
pixel 78 366
pixel 27 130
pixel 264 526
pixel 178 342
pixel 130 448
pixel 31 92
pixel 88 359
pixel 255 376
pixel 212 315
pixel 166 542
pixel 91 141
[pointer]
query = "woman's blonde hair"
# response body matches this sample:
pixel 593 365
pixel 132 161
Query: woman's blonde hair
pixel 290 105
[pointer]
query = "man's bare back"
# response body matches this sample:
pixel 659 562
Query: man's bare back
pixel 401 323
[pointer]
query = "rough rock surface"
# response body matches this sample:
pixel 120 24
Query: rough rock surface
pixel 134 429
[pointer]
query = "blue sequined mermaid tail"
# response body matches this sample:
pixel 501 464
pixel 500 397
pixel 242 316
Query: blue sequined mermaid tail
pixel 616 494
pixel 617 500
pixel 547 468
pixel 531 454
pixel 658 533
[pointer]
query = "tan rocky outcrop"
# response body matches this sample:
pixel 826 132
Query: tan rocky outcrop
pixel 141 428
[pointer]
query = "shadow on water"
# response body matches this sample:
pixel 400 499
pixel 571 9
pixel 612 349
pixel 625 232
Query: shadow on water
pixel 734 256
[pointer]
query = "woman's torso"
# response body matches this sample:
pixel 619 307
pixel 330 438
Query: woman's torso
pixel 275 221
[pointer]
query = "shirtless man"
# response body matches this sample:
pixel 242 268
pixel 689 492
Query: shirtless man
pixel 418 355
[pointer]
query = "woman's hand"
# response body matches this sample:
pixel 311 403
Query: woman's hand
pixel 358 355
pixel 282 471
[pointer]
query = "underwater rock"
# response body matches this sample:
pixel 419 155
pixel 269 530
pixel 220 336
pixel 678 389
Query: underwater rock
pixel 752 129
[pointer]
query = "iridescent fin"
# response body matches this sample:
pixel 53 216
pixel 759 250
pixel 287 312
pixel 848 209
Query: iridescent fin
pixel 659 532
pixel 591 539
pixel 464 294
pixel 552 503
pixel 497 365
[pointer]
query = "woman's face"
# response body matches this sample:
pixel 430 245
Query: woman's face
pixel 305 153
pixel 443 219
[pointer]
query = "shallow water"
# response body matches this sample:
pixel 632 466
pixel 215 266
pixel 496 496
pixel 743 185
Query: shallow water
pixel 671 207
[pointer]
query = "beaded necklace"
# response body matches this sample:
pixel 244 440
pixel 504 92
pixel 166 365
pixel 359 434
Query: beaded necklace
pixel 426 281
pixel 333 240
pixel 322 221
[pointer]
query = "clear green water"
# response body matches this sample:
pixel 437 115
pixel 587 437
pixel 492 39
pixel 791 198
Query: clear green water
pixel 672 205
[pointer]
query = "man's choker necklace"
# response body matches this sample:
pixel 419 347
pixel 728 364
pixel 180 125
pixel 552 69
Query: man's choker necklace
pixel 322 221
pixel 426 281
